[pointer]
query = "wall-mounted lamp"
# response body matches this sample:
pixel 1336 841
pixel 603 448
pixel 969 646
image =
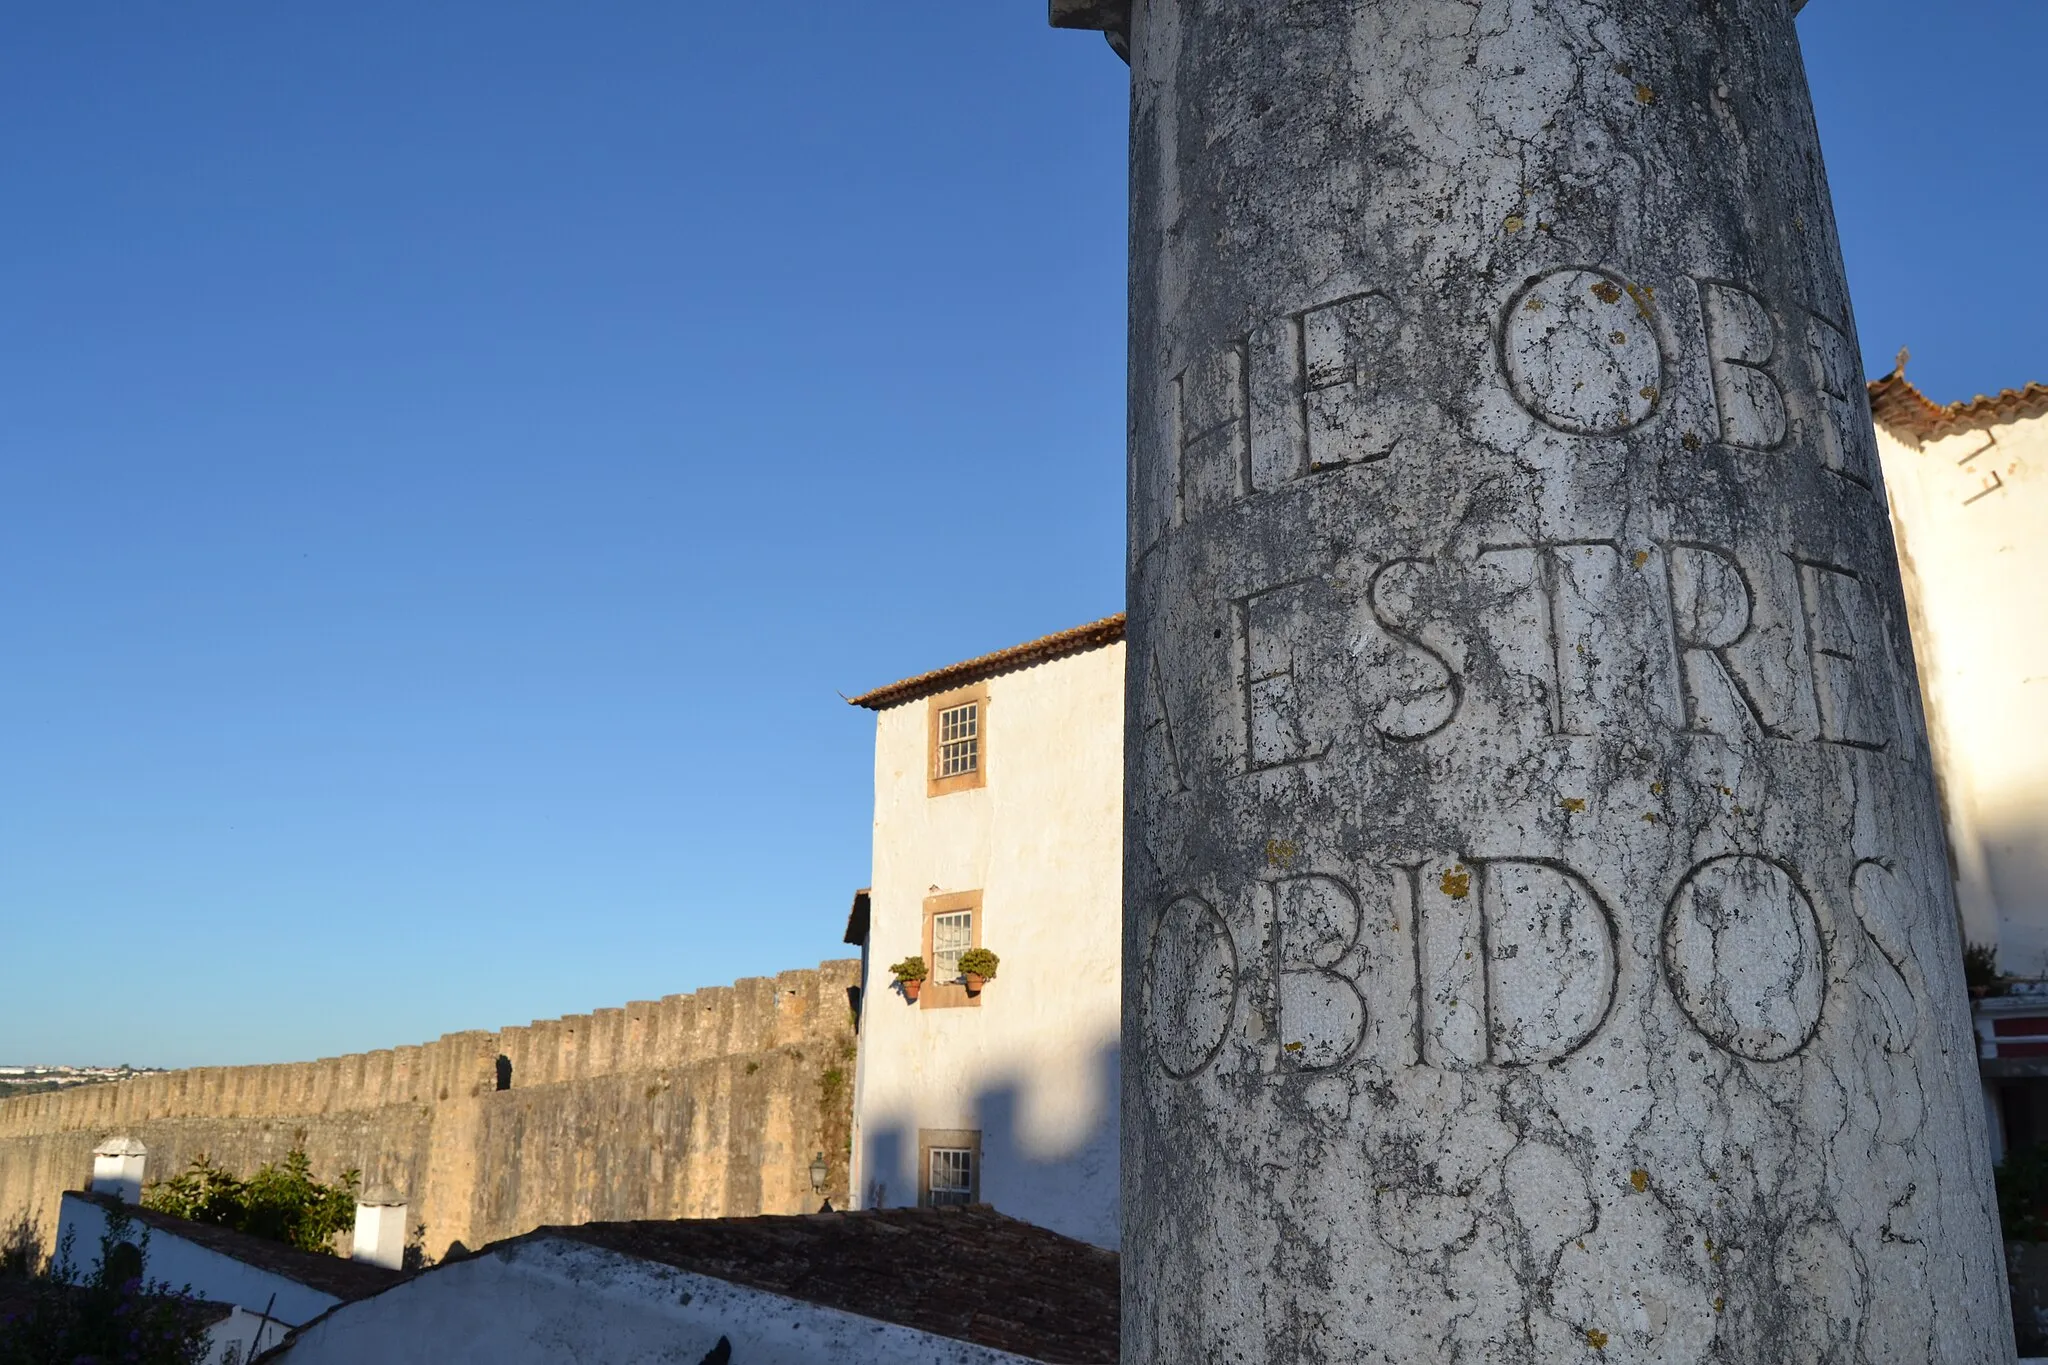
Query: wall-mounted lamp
pixel 819 1170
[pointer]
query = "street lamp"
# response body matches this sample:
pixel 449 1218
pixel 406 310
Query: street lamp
pixel 819 1170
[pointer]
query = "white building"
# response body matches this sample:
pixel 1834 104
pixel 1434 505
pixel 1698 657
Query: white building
pixel 1969 494
pixel 267 1286
pixel 998 825
pixel 1968 485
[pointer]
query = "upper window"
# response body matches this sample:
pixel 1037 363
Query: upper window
pixel 960 739
pixel 958 743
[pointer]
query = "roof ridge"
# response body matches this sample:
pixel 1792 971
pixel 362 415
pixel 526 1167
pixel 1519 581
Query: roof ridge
pixel 1045 649
pixel 1899 406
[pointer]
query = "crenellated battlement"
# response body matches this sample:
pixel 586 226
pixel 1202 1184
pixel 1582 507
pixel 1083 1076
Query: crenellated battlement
pixel 701 1099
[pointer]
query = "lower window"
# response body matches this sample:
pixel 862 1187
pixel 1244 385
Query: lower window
pixel 950 1176
pixel 949 1161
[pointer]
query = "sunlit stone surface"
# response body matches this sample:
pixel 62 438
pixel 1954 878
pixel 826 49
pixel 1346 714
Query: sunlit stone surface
pixel 1539 941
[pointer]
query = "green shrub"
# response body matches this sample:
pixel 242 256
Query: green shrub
pixel 282 1201
pixel 979 962
pixel 1980 967
pixel 910 969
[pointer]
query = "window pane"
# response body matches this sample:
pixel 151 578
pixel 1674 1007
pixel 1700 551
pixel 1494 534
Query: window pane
pixel 952 935
pixel 959 740
pixel 952 1175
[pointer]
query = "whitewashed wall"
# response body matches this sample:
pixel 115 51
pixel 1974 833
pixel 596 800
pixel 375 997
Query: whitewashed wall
pixel 1970 516
pixel 1034 1067
pixel 545 1300
pixel 186 1265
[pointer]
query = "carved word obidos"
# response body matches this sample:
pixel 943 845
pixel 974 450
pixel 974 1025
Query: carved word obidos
pixel 1460 963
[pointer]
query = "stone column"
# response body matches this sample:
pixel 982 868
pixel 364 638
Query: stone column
pixel 1539 940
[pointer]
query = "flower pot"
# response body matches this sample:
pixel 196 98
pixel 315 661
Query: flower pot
pixel 974 982
pixel 910 990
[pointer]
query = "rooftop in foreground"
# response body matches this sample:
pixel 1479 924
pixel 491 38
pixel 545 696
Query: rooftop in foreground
pixel 344 1279
pixel 968 1273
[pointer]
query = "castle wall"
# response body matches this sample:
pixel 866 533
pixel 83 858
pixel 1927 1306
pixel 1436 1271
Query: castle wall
pixel 693 1106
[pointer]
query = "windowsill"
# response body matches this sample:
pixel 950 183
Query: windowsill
pixel 946 995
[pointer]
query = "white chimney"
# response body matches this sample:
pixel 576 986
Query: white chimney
pixel 117 1169
pixel 380 1227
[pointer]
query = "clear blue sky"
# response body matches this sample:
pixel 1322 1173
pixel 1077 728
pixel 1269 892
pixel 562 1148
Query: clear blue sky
pixel 453 456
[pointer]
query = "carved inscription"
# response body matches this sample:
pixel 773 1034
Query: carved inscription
pixel 1505 962
pixel 1425 686
pixel 1550 637
pixel 1190 985
pixel 1212 426
pixel 1845 434
pixel 1550 959
pixel 1581 348
pixel 1743 954
pixel 1279 724
pixel 1346 350
pixel 1741 343
pixel 1516 958
pixel 1713 614
pixel 1450 966
pixel 1321 1012
pixel 1851 661
pixel 1164 749
pixel 1890 976
pixel 1780 647
pixel 1581 352
pixel 1511 962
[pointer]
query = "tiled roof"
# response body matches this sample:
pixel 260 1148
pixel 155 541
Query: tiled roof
pixel 1094 635
pixel 971 1274
pixel 20 1298
pixel 344 1279
pixel 1906 412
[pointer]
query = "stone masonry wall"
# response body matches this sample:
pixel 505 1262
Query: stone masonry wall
pixel 694 1106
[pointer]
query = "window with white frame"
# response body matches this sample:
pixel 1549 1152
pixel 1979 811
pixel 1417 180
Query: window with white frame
pixel 959 740
pixel 952 935
pixel 950 1178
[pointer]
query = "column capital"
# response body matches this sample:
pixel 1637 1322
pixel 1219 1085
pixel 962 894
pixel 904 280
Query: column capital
pixel 1112 18
pixel 1106 15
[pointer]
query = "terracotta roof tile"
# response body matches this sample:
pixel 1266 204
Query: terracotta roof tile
pixel 971 1273
pixel 1906 412
pixel 1094 635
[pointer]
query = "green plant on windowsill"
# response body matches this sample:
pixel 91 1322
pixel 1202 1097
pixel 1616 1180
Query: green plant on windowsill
pixel 910 974
pixel 1980 970
pixel 978 965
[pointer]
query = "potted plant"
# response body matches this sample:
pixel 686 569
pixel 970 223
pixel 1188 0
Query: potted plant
pixel 1980 970
pixel 910 974
pixel 977 965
